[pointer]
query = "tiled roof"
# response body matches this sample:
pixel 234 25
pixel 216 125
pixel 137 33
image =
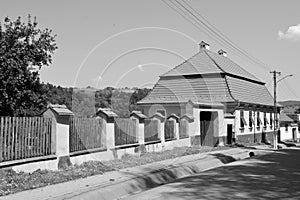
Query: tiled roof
pixel 138 113
pixel 60 109
pixel 294 117
pixel 208 77
pixel 108 112
pixel 249 92
pixel 196 89
pixel 207 62
pixel 284 118
pixel 200 63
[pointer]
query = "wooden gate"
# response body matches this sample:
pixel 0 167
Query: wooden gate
pixel 207 128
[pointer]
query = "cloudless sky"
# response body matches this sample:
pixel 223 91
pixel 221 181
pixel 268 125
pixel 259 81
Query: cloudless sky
pixel 132 42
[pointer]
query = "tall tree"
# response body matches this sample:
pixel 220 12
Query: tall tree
pixel 24 50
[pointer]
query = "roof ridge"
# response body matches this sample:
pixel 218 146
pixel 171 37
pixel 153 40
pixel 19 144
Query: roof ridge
pixel 215 61
pixel 252 77
pixel 185 61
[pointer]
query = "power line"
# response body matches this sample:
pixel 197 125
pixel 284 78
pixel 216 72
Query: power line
pixel 228 40
pixel 209 31
pixel 199 26
pixel 191 21
pixel 219 35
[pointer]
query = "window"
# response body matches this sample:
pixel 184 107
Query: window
pixel 265 120
pixel 258 120
pixel 251 121
pixel 271 121
pixel 243 122
pixel 286 127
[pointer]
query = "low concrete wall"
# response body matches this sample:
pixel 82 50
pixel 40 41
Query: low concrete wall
pixel 32 164
pixel 257 137
pixel 90 156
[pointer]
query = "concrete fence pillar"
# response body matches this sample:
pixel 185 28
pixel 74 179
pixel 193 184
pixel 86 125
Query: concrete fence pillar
pixel 109 117
pixel 161 133
pixel 110 135
pixel 141 135
pixel 141 125
pixel 177 130
pixel 61 117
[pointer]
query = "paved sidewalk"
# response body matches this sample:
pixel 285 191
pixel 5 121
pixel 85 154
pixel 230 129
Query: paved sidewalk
pixel 116 184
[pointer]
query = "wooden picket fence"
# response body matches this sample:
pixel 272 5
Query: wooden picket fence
pixel 170 129
pixel 126 131
pixel 183 128
pixel 151 130
pixel 24 137
pixel 86 134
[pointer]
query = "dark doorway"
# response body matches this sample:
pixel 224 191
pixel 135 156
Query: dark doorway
pixel 208 126
pixel 229 133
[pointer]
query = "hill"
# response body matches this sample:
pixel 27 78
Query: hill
pixel 85 101
pixel 290 106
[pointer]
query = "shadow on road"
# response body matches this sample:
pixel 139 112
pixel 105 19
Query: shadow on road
pixel 224 158
pixel 273 176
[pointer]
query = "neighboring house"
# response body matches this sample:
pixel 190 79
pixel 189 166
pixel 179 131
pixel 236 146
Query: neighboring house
pixel 227 102
pixel 288 127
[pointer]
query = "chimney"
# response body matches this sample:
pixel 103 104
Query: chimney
pixel 204 45
pixel 222 52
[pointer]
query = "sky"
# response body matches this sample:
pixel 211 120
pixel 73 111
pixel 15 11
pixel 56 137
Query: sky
pixel 129 43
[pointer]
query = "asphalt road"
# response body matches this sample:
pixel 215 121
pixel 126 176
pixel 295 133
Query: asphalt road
pixel 272 176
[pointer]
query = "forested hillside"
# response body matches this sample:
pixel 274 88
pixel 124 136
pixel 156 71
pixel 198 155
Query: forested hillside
pixel 85 101
pixel 291 106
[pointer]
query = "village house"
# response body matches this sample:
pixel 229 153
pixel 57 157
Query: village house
pixel 289 125
pixel 226 102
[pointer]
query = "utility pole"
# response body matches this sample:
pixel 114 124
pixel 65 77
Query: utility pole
pixel 275 73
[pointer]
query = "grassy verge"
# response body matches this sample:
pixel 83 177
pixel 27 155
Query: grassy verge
pixel 12 182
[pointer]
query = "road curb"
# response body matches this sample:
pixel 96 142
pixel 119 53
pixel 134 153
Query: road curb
pixel 161 176
pixel 119 184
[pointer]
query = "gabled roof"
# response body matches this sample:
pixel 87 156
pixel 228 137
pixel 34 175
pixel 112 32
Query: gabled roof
pixel 60 109
pixel 107 111
pixel 207 62
pixel 138 114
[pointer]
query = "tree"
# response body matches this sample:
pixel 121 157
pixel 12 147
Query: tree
pixel 138 95
pixel 24 50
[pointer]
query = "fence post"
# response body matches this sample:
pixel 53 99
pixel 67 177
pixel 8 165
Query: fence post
pixel 161 128
pixel 61 116
pixel 140 126
pixel 108 115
